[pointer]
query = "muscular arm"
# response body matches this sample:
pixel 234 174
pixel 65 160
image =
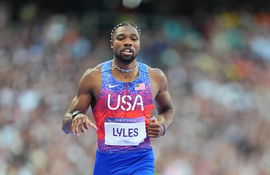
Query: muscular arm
pixel 163 100
pixel 80 102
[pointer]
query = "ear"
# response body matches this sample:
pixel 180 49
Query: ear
pixel 111 44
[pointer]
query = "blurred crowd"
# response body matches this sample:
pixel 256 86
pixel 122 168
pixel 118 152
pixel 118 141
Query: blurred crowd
pixel 219 76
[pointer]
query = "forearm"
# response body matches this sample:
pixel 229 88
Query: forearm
pixel 166 118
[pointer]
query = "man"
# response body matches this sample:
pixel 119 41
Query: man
pixel 121 93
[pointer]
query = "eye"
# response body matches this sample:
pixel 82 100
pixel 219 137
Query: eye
pixel 134 38
pixel 120 37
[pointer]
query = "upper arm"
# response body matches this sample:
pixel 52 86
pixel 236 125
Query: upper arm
pixel 85 92
pixel 160 87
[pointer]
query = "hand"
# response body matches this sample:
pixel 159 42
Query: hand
pixel 155 129
pixel 81 123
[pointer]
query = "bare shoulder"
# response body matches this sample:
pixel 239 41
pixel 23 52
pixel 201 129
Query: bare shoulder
pixel 91 80
pixel 158 80
pixel 157 74
pixel 92 73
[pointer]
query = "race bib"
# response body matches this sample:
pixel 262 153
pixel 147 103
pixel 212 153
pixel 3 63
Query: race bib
pixel 124 131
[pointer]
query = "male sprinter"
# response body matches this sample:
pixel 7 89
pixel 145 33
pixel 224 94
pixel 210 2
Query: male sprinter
pixel 121 93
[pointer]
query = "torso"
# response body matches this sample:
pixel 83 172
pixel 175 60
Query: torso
pixel 123 101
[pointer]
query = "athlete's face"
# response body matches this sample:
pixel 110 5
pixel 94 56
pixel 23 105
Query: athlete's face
pixel 126 44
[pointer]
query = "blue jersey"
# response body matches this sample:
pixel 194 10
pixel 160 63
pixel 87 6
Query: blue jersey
pixel 123 111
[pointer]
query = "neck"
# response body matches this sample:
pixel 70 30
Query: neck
pixel 124 67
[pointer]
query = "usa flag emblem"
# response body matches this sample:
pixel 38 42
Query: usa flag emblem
pixel 139 86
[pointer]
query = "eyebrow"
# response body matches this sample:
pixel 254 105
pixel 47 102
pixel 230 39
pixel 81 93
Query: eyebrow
pixel 121 34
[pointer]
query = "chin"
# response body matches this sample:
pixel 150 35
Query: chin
pixel 125 59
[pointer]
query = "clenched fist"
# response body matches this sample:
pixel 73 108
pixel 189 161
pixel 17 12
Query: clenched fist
pixel 155 128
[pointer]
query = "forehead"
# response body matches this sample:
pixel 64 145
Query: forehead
pixel 126 30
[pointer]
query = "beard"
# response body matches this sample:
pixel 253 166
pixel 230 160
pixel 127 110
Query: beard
pixel 124 58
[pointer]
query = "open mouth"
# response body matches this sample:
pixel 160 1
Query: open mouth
pixel 127 51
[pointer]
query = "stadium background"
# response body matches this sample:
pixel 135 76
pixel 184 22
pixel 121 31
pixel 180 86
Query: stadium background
pixel 215 53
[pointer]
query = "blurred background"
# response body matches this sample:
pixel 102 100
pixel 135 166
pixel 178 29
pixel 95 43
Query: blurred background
pixel 215 53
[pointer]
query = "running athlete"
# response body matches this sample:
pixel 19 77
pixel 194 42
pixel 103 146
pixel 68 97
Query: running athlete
pixel 122 92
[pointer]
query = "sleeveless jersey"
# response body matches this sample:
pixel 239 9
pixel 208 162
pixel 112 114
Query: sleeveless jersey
pixel 122 111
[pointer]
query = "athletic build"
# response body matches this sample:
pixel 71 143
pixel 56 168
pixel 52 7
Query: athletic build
pixel 121 93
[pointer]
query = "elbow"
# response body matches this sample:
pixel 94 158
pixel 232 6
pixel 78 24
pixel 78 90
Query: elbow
pixel 172 108
pixel 172 114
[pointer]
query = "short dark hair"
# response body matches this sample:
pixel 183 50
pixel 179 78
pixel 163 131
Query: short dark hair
pixel 126 23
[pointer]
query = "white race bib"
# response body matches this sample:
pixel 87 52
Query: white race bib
pixel 124 131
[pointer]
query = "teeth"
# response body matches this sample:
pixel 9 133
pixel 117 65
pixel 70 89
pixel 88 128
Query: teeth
pixel 127 50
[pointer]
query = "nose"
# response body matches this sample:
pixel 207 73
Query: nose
pixel 127 42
